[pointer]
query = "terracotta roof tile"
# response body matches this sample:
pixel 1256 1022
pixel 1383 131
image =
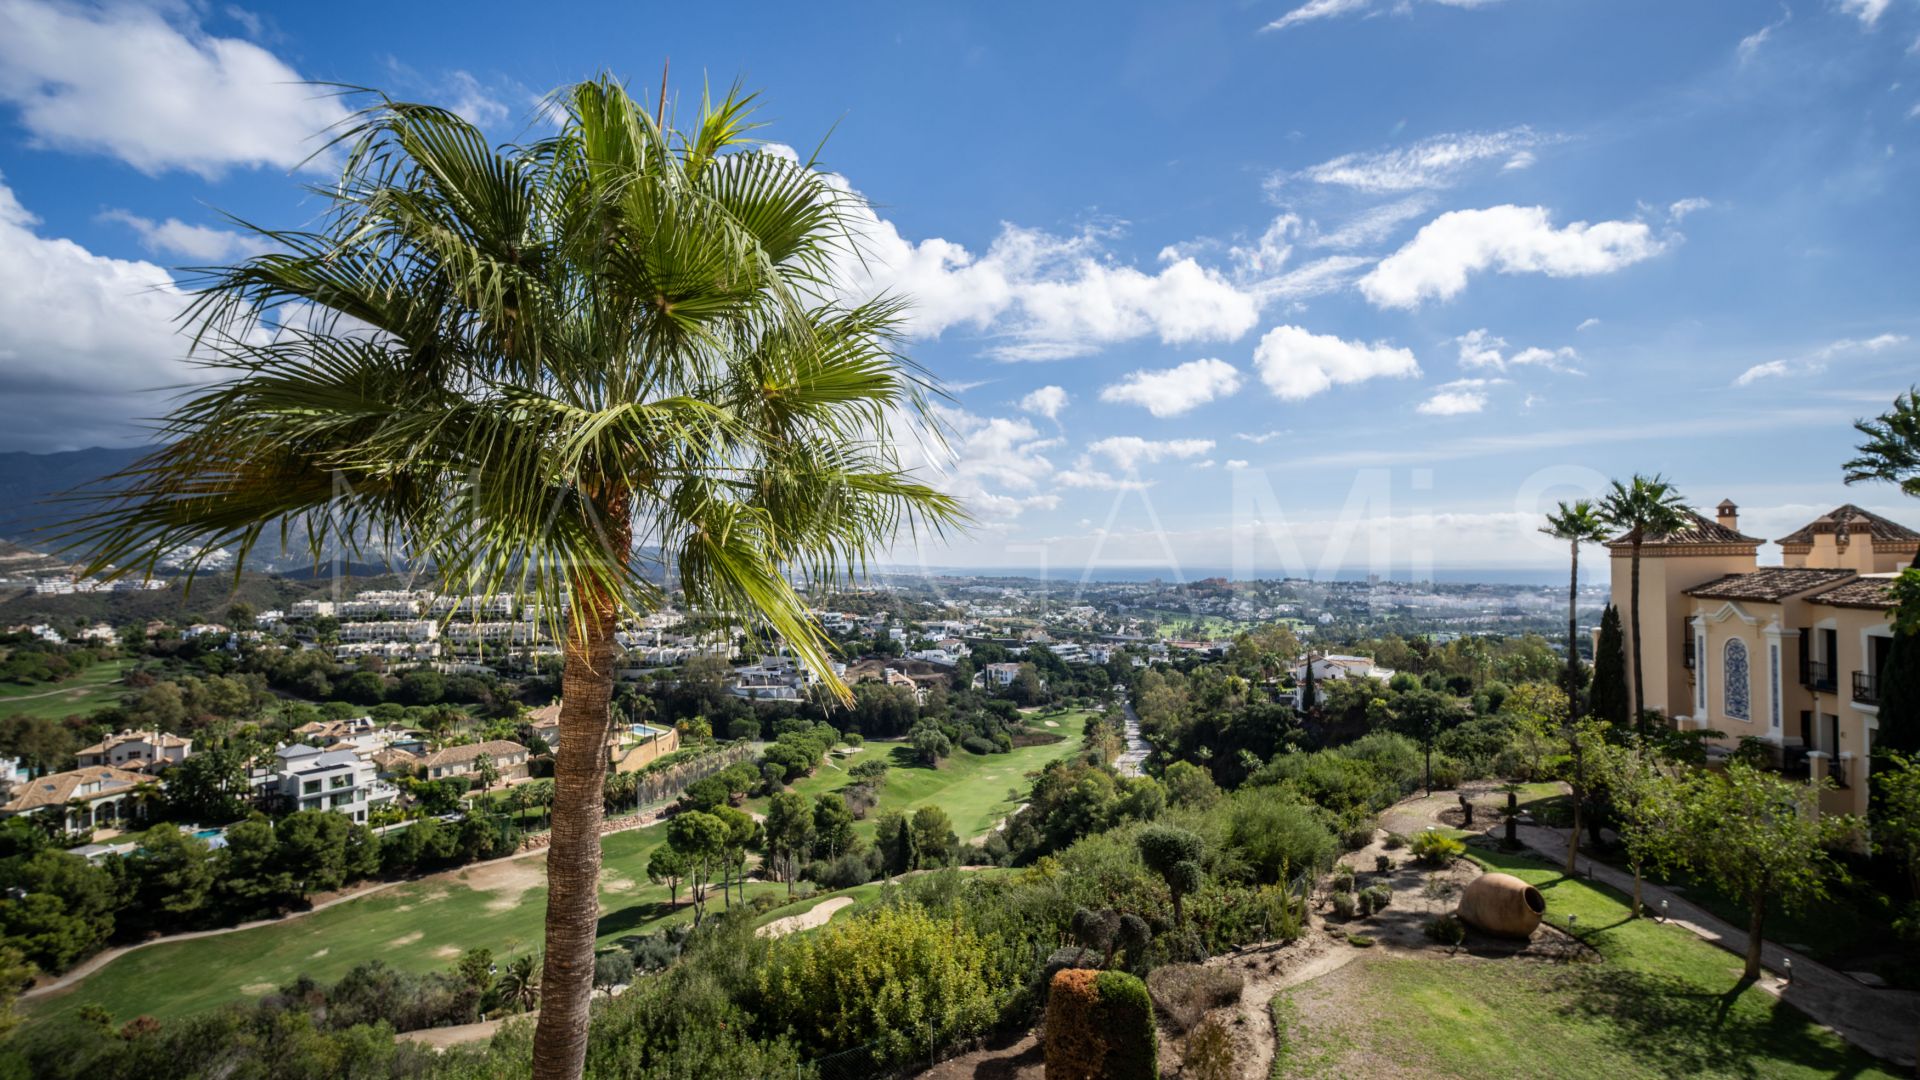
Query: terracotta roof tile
pixel 1866 592
pixel 56 789
pixel 1850 520
pixel 1698 530
pixel 1771 583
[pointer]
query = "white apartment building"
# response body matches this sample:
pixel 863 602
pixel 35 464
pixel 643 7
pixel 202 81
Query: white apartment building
pixel 408 630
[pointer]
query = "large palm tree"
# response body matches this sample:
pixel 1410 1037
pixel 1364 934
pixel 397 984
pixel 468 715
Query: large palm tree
pixel 557 370
pixel 1643 507
pixel 1577 523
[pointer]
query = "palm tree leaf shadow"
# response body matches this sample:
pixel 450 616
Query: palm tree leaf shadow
pixel 1687 1030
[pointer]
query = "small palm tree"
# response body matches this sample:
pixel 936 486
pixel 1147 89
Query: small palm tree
pixel 519 984
pixel 1645 506
pixel 539 369
pixel 1577 523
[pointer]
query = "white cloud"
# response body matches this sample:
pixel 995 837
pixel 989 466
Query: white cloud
pixel 1084 475
pixel 1236 464
pixel 1483 349
pixel 471 102
pixel 199 242
pixel 1522 160
pixel 1678 211
pixel 1046 401
pixel 80 336
pixel 1586 324
pixel 1129 452
pixel 1175 390
pixel 1314 10
pixel 1457 398
pixel 1259 438
pixel 1207 464
pixel 996 465
pixel 159 94
pixel 1867 11
pixel 1750 44
pixel 1812 363
pixel 1316 278
pixel 1265 256
pixel 1372 226
pixel 1437 161
pixel 1297 364
pixel 1509 239
pixel 1047 297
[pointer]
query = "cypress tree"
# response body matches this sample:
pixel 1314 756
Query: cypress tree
pixel 1609 698
pixel 1900 697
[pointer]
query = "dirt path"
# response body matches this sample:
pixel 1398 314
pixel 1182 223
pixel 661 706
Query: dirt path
pixel 817 915
pixel 442 1037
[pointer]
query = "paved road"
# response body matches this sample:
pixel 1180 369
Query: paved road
pixel 1130 762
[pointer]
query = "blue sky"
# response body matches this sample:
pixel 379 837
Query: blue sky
pixel 1263 286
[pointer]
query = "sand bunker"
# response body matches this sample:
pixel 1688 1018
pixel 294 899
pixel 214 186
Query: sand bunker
pixel 509 880
pixel 806 920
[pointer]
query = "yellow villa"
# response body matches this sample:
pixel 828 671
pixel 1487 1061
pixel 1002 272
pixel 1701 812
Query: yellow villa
pixel 1789 655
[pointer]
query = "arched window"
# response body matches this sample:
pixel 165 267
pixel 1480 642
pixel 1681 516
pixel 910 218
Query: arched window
pixel 1736 681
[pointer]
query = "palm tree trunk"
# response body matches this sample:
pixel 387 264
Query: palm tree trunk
pixel 1573 835
pixel 1639 685
pixel 1573 634
pixel 573 857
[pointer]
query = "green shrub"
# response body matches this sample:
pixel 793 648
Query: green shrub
pixel 1447 930
pixel 1382 863
pixel 1100 1027
pixel 1357 832
pixel 1360 941
pixel 1436 848
pixel 1276 836
pixel 895 975
pixel 1126 1015
pixel 1343 878
pixel 1380 895
pixel 1447 773
pixel 1345 904
pixel 1395 841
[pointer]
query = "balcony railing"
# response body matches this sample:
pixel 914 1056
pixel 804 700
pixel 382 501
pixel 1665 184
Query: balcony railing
pixel 1866 688
pixel 1817 675
pixel 1686 652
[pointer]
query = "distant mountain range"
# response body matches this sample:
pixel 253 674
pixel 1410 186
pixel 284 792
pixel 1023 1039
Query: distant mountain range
pixel 29 481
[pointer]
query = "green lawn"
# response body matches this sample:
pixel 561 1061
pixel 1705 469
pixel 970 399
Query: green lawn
pixel 97 686
pixel 1660 1002
pixel 425 925
pixel 1851 931
pixel 971 788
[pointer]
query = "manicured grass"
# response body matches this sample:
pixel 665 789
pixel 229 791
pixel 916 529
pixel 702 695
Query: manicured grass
pixel 96 687
pixel 971 788
pixel 425 925
pixel 419 926
pixel 1658 1002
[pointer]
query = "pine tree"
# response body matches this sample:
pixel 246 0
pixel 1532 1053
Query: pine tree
pixel 1609 700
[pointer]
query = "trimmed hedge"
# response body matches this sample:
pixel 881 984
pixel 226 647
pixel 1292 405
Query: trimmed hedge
pixel 1100 1027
